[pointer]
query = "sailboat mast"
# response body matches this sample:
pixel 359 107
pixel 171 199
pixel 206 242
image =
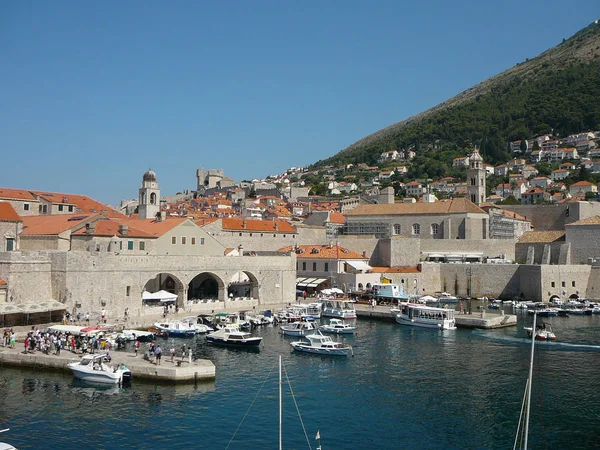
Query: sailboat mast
pixel 529 383
pixel 280 408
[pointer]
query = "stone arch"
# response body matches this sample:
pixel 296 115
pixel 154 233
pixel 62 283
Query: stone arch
pixel 206 285
pixel 243 284
pixel 166 282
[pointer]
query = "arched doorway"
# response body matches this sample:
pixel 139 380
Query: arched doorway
pixel 205 286
pixel 242 285
pixel 168 283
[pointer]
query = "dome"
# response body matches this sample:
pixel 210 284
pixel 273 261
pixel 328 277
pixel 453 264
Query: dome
pixel 149 176
pixel 475 156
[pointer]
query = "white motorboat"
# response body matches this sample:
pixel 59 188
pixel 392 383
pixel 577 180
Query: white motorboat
pixel 543 332
pixel 298 328
pixel 416 315
pixel 322 345
pixel 338 309
pixel 194 324
pixel 444 297
pixel 176 328
pixel 95 369
pixel 4 445
pixel 233 337
pixel 337 326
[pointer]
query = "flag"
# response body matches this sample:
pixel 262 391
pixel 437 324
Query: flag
pixel 318 436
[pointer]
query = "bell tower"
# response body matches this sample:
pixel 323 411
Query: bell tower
pixel 476 178
pixel 149 199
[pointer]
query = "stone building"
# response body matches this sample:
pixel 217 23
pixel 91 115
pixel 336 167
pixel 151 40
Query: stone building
pixel 10 228
pixel 149 196
pixel 476 175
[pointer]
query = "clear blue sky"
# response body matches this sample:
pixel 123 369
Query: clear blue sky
pixel 94 93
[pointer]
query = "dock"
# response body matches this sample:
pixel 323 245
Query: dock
pixel 480 320
pixel 179 371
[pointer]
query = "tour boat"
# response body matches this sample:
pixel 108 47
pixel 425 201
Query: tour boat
pixel 94 369
pixel 339 309
pixel 338 327
pixel 233 337
pixel 298 328
pixel 176 328
pixel 543 332
pixel 416 315
pixel 322 345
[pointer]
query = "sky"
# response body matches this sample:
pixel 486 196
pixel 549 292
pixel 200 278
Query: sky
pixel 95 93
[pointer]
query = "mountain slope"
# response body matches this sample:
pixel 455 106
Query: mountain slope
pixel 558 90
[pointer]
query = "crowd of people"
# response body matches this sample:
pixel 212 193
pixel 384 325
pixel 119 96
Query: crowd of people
pixel 54 341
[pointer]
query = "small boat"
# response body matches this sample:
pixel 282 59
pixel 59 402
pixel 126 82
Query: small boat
pixel 417 315
pixel 338 327
pixel 95 369
pixel 176 328
pixel 233 337
pixel 322 345
pixel 444 297
pixel 338 308
pixel 139 335
pixel 543 332
pixel 4 445
pixel 298 328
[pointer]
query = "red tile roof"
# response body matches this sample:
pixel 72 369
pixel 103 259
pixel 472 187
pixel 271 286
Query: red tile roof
pixel 53 225
pixel 112 228
pixel 16 194
pixel 271 226
pixel 322 252
pixel 8 214
pixel 84 205
pixel 457 206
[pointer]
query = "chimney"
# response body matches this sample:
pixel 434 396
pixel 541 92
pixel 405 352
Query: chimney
pixel 123 229
pixel 276 226
pixel 90 228
pixel 244 224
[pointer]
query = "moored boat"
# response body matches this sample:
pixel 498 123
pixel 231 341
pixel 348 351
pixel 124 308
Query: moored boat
pixel 336 326
pixel 338 308
pixel 233 337
pixel 176 328
pixel 417 315
pixel 95 369
pixel 322 345
pixel 298 328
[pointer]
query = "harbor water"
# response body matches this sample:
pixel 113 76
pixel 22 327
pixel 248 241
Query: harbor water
pixel 405 387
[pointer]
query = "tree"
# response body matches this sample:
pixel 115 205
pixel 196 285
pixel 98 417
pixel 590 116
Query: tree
pixel 523 145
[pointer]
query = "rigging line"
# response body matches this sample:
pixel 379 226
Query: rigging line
pixel 296 404
pixel 250 407
pixel 520 427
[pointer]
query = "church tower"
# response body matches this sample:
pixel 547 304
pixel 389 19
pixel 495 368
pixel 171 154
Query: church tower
pixel 149 200
pixel 476 178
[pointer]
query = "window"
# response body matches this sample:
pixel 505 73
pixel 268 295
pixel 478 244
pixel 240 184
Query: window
pixel 44 209
pixel 303 266
pixel 183 240
pixel 60 207
pixel 553 284
pixel 434 229
pixel 71 208
pixel 563 284
pixel 314 267
pixel 240 234
pixel 10 244
pixel 25 206
pixel 193 240
pixel 142 245
pixel 416 229
pixel 397 229
pixel 201 241
pixel 326 267
pixel 174 240
pixel 129 245
pixel 128 292
pixel 573 283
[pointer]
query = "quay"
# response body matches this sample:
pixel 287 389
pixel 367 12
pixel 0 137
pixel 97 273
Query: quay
pixel 479 320
pixel 180 371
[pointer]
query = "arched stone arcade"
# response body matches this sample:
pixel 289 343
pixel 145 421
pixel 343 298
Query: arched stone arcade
pixel 206 286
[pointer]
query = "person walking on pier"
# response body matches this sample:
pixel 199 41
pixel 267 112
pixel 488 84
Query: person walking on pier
pixel 158 354
pixel 136 346
pixel 172 352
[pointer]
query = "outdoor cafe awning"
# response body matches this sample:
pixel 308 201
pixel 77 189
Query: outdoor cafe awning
pixel 309 282
pixel 359 265
pixel 30 308
pixel 162 296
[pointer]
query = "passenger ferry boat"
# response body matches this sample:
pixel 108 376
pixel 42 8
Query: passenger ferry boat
pixel 338 308
pixel 416 315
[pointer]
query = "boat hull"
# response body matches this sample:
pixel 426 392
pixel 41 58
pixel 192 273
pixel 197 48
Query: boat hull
pixel 246 343
pixel 331 330
pixel 445 325
pixel 321 351
pixel 100 376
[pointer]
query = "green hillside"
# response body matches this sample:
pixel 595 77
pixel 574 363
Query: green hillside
pixel 558 90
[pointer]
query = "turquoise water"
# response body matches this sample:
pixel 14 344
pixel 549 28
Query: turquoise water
pixel 404 388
